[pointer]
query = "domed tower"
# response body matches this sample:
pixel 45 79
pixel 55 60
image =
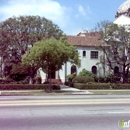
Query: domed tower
pixel 124 9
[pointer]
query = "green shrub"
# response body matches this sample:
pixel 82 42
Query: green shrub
pixel 85 72
pixel 7 80
pixel 70 78
pixel 115 78
pixel 108 79
pixel 28 87
pixel 92 86
pixel 83 79
pixel 120 86
pixel 19 72
pixel 102 79
pixel 101 86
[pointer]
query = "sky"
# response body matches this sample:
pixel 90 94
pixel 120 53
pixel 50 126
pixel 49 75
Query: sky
pixel 72 16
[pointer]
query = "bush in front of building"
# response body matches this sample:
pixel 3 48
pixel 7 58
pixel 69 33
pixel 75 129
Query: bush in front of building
pixel 83 79
pixel 92 86
pixel 19 72
pixel 85 72
pixel 28 87
pixel 108 79
pixel 70 78
pixel 120 86
pixel 101 86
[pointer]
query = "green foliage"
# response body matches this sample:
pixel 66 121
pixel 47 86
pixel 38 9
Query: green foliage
pixel 7 69
pixel 115 78
pixel 120 86
pixel 85 72
pixel 28 87
pixel 101 86
pixel 19 72
pixel 9 80
pixel 92 86
pixel 23 31
pixel 19 69
pixel 70 77
pixel 108 79
pixel 51 54
pixel 83 79
pixel 117 39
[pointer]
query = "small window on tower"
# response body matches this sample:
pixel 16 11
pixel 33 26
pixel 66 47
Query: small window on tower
pixel 84 53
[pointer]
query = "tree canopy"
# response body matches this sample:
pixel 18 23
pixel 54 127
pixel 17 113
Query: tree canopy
pixel 117 49
pixel 19 33
pixel 99 26
pixel 50 54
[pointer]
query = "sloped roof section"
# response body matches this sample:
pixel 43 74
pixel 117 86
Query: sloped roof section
pixel 85 40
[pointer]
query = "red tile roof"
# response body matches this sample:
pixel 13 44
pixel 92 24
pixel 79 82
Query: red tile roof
pixel 85 40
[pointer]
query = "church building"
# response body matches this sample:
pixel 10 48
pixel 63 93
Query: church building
pixel 87 44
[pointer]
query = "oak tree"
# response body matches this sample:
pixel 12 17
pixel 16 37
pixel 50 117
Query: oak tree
pixel 117 48
pixel 51 54
pixel 17 34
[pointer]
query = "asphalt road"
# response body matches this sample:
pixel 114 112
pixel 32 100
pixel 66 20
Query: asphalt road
pixel 63 112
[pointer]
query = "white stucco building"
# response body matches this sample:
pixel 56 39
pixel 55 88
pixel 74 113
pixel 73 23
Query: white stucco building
pixel 87 45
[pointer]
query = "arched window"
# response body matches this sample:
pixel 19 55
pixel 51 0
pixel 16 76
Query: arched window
pixel 84 53
pixel 94 69
pixel 116 70
pixel 73 69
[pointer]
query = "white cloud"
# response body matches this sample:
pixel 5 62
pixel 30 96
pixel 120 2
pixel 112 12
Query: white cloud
pixel 47 8
pixel 84 12
pixel 51 9
pixel 81 10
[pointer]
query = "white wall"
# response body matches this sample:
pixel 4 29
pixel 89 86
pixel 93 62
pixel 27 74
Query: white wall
pixel 86 63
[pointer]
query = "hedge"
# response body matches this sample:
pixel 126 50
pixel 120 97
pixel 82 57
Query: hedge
pixel 101 86
pixel 120 86
pixel 91 86
pixel 28 87
pixel 83 79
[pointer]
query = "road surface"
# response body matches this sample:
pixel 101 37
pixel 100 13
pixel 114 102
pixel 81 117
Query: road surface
pixel 63 112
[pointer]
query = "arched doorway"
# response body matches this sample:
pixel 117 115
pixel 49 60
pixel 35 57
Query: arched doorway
pixel 73 69
pixel 94 69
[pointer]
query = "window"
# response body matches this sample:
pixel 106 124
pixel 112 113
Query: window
pixel 84 53
pixel 94 54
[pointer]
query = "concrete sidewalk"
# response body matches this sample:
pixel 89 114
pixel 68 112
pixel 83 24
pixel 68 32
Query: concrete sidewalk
pixel 65 88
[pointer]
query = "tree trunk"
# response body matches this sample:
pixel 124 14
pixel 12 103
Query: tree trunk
pixel 31 74
pixel 124 74
pixel 50 85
